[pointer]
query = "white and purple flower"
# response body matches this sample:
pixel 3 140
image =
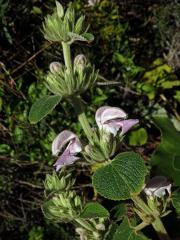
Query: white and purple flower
pixel 112 119
pixel 157 187
pixel 68 140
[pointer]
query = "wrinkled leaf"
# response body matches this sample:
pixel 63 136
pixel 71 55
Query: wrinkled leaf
pixel 121 178
pixel 42 107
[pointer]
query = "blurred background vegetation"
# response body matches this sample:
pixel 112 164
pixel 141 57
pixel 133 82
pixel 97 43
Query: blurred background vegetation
pixel 136 48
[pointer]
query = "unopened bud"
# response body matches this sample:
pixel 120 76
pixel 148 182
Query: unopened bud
pixel 55 67
pixel 80 60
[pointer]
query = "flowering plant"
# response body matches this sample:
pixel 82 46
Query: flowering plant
pixel 115 175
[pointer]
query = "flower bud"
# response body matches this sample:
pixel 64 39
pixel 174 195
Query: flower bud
pixel 55 67
pixel 80 60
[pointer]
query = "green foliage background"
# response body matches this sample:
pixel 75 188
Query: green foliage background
pixel 129 49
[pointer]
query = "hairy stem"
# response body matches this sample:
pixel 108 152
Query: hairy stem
pixel 78 106
pixel 160 229
pixel 67 56
pixel 156 220
pixel 141 204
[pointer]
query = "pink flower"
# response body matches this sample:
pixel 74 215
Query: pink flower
pixel 72 146
pixel 112 119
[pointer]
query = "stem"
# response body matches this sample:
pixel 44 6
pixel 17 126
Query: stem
pixel 76 102
pixel 85 224
pixel 142 205
pixel 67 56
pixel 160 229
pixel 157 223
pixel 141 226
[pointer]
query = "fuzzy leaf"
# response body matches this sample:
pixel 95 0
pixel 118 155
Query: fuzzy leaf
pixel 94 210
pixel 42 107
pixel 166 157
pixel 121 178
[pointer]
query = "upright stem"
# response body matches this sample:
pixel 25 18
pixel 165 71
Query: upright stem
pixel 160 229
pixel 76 102
pixel 141 204
pixel 156 222
pixel 67 56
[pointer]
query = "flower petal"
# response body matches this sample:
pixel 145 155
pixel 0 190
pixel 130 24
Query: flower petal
pixel 127 124
pixel 157 186
pixel 65 159
pixel 61 140
pixel 74 146
pixel 113 126
pixel 106 113
pixel 161 192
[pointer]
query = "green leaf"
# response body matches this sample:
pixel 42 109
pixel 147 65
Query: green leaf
pixel 94 210
pixel 138 137
pixel 42 107
pixel 121 178
pixel 176 201
pixel 166 157
pixel 126 232
pixel 119 211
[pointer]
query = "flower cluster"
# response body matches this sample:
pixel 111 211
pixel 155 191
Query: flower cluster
pixel 110 120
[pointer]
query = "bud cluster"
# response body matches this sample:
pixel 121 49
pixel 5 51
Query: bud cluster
pixel 61 82
pixel 62 207
pixel 62 204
